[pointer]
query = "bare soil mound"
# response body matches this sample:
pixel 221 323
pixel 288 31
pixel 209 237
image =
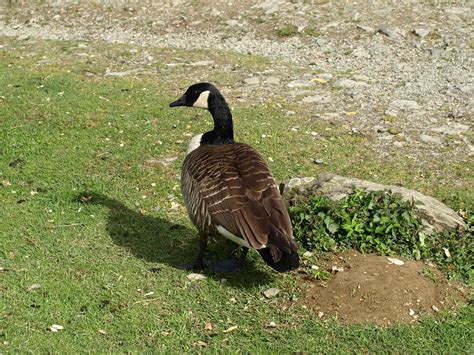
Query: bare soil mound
pixel 371 289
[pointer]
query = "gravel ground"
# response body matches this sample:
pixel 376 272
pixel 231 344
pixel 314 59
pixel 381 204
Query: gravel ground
pixel 398 73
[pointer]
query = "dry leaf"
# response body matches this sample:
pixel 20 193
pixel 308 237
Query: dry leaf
pixel 271 325
pixel 320 314
pixel 208 326
pixel 337 268
pixel 396 261
pixel 231 329
pixel 35 287
pixel 446 252
pixel 102 331
pixel 56 328
pixel 196 277
pixel 412 312
pixel 271 292
pixel 436 309
pixel 200 343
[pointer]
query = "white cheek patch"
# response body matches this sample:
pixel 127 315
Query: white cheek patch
pixel 194 143
pixel 201 102
pixel 234 238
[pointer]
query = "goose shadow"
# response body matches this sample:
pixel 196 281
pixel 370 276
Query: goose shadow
pixel 158 240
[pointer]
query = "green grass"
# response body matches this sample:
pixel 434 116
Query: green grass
pixel 106 267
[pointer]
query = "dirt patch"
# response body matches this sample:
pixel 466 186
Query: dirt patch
pixel 371 289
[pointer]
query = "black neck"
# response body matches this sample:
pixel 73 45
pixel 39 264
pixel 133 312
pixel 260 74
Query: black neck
pixel 223 132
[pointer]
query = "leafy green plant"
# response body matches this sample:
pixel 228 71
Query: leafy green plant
pixel 287 31
pixel 380 221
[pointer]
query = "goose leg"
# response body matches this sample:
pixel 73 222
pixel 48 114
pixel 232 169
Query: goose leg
pixel 230 265
pixel 198 263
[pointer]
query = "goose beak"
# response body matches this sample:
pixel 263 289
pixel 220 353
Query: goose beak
pixel 180 102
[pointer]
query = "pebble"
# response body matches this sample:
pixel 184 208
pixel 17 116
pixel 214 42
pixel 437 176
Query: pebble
pixel 436 309
pixel 403 105
pixel 421 32
pixel 320 314
pixel 272 80
pixel 299 84
pixel 271 292
pixel 452 129
pixel 316 99
pixel 391 34
pixel 35 287
pixel 366 28
pixel 348 83
pixel 251 81
pixel 430 139
pixel 396 261
pixel 202 63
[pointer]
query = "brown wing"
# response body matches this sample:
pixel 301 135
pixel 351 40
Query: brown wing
pixel 238 192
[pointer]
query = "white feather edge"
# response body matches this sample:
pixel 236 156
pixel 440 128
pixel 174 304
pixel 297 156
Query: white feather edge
pixel 242 242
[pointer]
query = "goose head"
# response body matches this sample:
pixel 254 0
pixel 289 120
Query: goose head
pixel 197 95
pixel 207 96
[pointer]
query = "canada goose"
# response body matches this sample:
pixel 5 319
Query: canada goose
pixel 229 190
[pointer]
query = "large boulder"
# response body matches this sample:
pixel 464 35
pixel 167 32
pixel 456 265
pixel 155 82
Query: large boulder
pixel 435 216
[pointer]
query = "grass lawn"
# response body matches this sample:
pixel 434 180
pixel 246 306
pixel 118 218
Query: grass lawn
pixel 106 267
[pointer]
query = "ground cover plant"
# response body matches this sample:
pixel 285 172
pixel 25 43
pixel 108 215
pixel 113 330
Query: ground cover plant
pixel 91 221
pixel 380 221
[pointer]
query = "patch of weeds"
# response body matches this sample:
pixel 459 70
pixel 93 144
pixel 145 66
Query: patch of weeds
pixel 428 273
pixel 287 31
pixel 313 32
pixel 380 221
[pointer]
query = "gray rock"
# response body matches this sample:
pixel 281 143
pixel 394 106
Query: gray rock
pixel 300 84
pixel 272 80
pixel 252 81
pixel 348 83
pixel 430 139
pixel 403 105
pixel 421 32
pixel 452 129
pixel 366 28
pixel 391 34
pixel 436 52
pixel 435 216
pixel 316 99
pixel 202 63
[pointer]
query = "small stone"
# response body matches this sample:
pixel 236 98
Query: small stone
pixel 271 292
pixel 391 34
pixel 272 80
pixel 421 32
pixel 319 99
pixel 411 312
pixel 394 130
pixel 366 28
pixel 202 63
pixel 348 83
pixel 336 268
pixel 452 129
pixel 208 326
pixel 299 84
pixel 215 12
pixel 196 277
pixel 271 325
pixel 430 139
pixel 252 81
pixel 307 254
pixel 318 161
pixel 314 267
pixel 436 309
pixel 35 287
pixel 232 23
pixel 403 105
pixel 396 261
pixel 320 314
pixel 436 52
